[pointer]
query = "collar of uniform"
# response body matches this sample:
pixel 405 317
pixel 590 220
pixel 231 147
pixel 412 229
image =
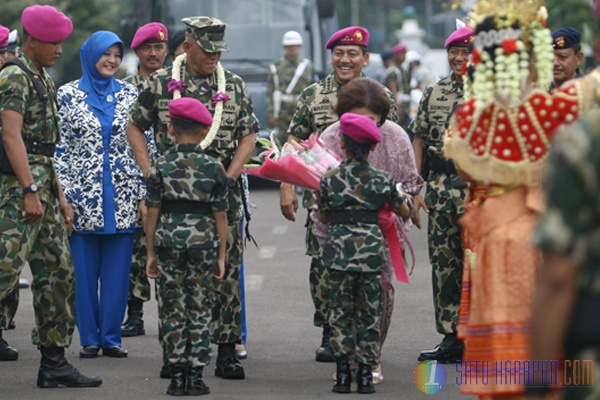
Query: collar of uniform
pixel 186 148
pixel 451 85
pixel 29 64
pixel 355 162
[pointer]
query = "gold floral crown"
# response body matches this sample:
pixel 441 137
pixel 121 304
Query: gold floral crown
pixel 522 11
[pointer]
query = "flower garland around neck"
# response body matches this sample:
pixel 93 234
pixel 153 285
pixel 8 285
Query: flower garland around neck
pixel 176 86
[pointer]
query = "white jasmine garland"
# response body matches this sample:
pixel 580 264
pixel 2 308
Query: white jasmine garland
pixel 177 73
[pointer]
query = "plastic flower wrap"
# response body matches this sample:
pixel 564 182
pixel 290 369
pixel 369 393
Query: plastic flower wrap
pixel 301 164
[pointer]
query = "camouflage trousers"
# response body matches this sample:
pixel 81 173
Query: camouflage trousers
pixel 227 307
pixel 139 286
pixel 186 290
pixel 317 277
pixel 446 258
pixel 45 247
pixel 355 301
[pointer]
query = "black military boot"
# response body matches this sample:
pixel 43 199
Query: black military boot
pixel 134 324
pixel 343 377
pixel 325 352
pixel 364 379
pixel 55 370
pixel 447 352
pixel 195 384
pixel 228 366
pixel 7 353
pixel 11 324
pixel 177 385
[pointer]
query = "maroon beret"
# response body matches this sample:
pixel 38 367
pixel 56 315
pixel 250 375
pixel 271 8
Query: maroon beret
pixel 46 24
pixel 356 35
pixel 4 33
pixel 152 32
pixel 360 128
pixel 190 109
pixel 460 37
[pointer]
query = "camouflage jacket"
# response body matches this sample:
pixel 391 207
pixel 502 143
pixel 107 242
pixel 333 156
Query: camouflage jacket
pixel 570 226
pixel 315 108
pixel 238 118
pixel 184 173
pixel 137 80
pixel 356 185
pixel 286 69
pixel 40 122
pixel 400 76
pixel 439 102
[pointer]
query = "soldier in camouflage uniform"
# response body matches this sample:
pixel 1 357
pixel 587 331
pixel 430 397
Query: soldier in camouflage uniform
pixel 198 77
pixel 33 208
pixel 288 76
pixel 314 113
pixel 397 79
pixel 350 197
pixel 568 235
pixel 150 46
pixel 444 197
pixel 186 225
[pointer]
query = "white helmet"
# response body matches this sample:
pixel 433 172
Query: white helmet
pixel 292 38
pixel 412 56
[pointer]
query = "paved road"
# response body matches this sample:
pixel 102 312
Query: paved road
pixel 281 337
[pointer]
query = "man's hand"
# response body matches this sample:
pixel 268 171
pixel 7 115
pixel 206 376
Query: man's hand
pixel 418 204
pixel 33 208
pixel 288 201
pixel 68 215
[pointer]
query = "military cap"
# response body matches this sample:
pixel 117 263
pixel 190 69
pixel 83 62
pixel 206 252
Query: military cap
pixel 208 32
pixel 387 55
pixel 46 24
pixel 13 41
pixel 353 35
pixel 190 109
pixel 460 38
pixel 565 38
pixel 154 32
pixel 399 48
pixel 4 33
pixel 360 128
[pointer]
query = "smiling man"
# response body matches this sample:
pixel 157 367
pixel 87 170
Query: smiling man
pixel 444 197
pixel 314 113
pixel 567 56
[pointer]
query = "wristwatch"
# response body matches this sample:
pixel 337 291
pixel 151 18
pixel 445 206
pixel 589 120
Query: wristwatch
pixel 32 188
pixel 231 182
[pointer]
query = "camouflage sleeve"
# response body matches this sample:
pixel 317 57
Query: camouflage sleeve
pixel 390 77
pixel 323 204
pixel 145 110
pixel 154 185
pixel 14 90
pixel 247 121
pixel 302 124
pixel 395 198
pixel 570 219
pixel 393 115
pixel 420 125
pixel 220 196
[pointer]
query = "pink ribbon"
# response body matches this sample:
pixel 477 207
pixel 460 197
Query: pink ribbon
pixel 219 97
pixel 174 85
pixel 387 223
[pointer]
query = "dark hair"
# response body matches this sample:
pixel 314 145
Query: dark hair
pixel 364 92
pixel 576 48
pixel 186 127
pixel 357 150
pixel 175 41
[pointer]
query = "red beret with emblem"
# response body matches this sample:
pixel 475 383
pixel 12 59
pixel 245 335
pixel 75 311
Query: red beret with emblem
pixel 460 37
pixel 190 109
pixel 153 32
pixel 353 35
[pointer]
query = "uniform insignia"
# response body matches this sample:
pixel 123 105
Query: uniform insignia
pixel 161 35
pixel 358 37
pixel 442 98
pixel 560 41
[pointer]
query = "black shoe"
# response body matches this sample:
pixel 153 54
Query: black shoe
pixel 89 352
pixel 364 379
pixel 165 372
pixel 343 376
pixel 134 325
pixel 325 352
pixel 195 384
pixel 177 385
pixel 7 353
pixel 55 370
pixel 228 366
pixel 114 351
pixel 11 324
pixel 447 352
pixel 23 284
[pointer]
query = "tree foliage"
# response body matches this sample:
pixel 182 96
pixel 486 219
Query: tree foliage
pixel 88 17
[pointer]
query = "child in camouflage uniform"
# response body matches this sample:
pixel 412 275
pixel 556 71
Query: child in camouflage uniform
pixel 350 198
pixel 186 245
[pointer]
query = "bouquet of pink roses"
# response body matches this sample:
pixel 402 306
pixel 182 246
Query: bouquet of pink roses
pixel 302 164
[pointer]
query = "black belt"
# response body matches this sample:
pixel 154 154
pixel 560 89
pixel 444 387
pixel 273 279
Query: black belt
pixel 443 166
pixel 35 147
pixel 354 216
pixel 186 207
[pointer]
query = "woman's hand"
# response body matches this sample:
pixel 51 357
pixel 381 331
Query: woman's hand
pixel 152 267
pixel 418 203
pixel 66 210
pixel 141 213
pixel 219 270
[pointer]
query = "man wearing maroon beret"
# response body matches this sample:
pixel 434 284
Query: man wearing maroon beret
pixel 444 196
pixel 314 113
pixel 35 214
pixel 150 46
